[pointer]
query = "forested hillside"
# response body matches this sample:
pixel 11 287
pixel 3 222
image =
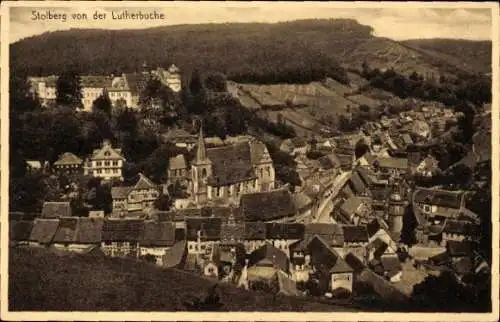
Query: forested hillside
pixel 292 52
pixel 475 55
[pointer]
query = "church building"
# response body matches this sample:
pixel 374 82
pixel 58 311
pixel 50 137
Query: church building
pixel 229 171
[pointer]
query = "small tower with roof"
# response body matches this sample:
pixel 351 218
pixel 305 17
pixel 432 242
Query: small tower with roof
pixel 201 170
pixel 396 210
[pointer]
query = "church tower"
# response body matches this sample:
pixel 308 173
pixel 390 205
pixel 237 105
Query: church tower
pixel 396 209
pixel 201 170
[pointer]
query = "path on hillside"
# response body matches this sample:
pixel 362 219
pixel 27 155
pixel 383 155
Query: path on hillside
pixel 326 206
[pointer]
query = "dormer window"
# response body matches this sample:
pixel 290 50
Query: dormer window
pixel 107 153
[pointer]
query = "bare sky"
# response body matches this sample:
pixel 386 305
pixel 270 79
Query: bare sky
pixel 396 23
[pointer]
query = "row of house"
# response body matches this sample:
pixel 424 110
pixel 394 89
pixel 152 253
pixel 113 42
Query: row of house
pixel 219 248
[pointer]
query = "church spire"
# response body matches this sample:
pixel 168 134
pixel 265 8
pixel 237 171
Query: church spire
pixel 201 152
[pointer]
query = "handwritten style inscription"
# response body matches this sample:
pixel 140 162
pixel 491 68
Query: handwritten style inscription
pixel 97 15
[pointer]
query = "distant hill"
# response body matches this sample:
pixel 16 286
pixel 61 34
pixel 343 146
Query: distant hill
pixel 44 281
pixel 295 52
pixel 471 55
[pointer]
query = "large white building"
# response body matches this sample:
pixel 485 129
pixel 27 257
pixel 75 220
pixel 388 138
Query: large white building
pixel 125 88
pixel 106 163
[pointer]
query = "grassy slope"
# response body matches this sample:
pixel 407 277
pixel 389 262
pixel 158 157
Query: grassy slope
pixel 471 55
pixel 43 280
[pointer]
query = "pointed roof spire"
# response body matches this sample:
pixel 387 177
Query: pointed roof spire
pixel 201 152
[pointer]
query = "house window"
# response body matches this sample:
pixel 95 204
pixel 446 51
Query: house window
pixel 115 163
pixel 99 163
pixel 191 246
pixel 107 153
pixel 106 163
pixel 427 208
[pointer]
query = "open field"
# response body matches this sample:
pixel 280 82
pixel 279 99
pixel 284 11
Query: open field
pixel 48 281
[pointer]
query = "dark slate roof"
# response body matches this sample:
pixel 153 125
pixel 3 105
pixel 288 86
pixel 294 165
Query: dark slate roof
pixel 463 266
pixel 351 205
pixel 393 163
pixel 366 174
pixel 174 256
pixel 379 246
pixel 136 82
pixel 79 230
pixel 357 183
pixel 68 158
pixel 44 230
pixel 219 212
pixel 373 227
pixel 163 216
pixel 120 192
pixel 355 233
pixel 269 255
pixel 210 228
pixel 265 206
pixel 460 248
pixel 329 161
pixel 157 234
pixel 122 230
pixel 66 232
pixel 353 261
pixel 255 231
pixel 332 234
pixel 56 209
pixel 232 231
pixel 89 230
pixel 284 231
pixel 459 227
pixel 95 81
pixel 443 198
pixel 391 264
pixel 230 164
pixel 20 230
pixel 325 259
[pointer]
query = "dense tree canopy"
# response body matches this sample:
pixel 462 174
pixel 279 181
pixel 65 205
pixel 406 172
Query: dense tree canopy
pixel 69 90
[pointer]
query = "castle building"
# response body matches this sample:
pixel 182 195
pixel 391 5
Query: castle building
pixel 125 88
pixel 229 171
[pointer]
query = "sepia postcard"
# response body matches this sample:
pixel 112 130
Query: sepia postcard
pixel 249 161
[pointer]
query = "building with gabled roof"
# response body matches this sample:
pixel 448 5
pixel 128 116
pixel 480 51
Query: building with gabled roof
pixel 267 206
pixel 255 235
pixel 68 163
pixel 120 237
pixel 334 271
pixel 43 231
pixel 283 235
pixel 78 234
pixel 202 233
pixel 156 238
pixel 354 210
pixel 437 204
pixel 20 231
pixel 138 198
pixel 56 209
pixel 106 162
pixel 177 169
pixel 355 235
